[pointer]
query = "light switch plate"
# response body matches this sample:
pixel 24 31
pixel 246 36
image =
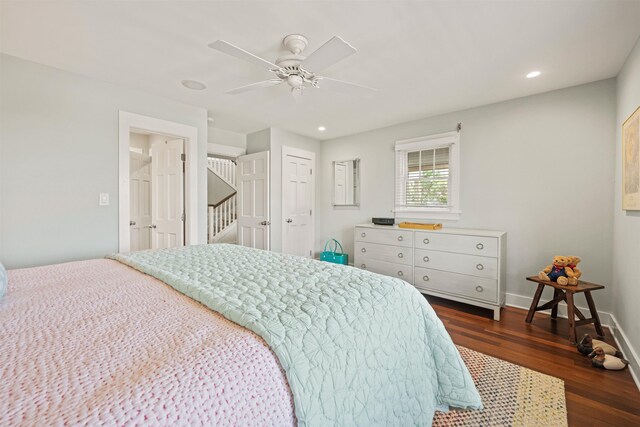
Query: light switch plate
pixel 104 199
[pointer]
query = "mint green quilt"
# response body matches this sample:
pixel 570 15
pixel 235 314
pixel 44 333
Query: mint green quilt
pixel 358 348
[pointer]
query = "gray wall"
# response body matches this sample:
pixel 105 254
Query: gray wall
pixel 626 224
pixel 259 141
pixel 540 168
pixel 217 188
pixel 226 137
pixel 59 145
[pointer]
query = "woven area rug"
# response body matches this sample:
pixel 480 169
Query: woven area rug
pixel 512 396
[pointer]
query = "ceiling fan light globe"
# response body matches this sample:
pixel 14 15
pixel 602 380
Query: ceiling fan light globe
pixel 294 81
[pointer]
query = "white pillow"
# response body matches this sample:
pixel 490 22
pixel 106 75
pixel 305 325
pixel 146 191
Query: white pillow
pixel 4 280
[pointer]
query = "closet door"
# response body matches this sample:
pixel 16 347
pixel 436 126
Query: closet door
pixel 167 170
pixel 252 178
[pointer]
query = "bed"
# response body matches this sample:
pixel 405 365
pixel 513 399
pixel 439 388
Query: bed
pixel 222 335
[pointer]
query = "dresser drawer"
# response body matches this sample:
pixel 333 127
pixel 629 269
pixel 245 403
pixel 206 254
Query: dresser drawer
pixel 394 254
pixel 401 271
pixel 457 263
pixel 471 245
pixel 477 288
pixel 385 237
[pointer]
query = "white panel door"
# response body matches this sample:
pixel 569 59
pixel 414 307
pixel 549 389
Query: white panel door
pixel 252 180
pixel 167 198
pixel 297 202
pixel 340 184
pixel 140 201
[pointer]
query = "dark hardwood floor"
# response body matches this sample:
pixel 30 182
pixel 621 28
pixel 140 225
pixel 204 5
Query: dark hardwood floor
pixel 595 397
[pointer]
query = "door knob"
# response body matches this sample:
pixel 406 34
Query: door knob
pixel 132 223
pixel 265 223
pixel 289 220
pixel 152 226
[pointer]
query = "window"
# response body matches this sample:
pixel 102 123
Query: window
pixel 427 177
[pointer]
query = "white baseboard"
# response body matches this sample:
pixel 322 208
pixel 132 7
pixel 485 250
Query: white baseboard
pixel 627 350
pixel 607 319
pixel 524 302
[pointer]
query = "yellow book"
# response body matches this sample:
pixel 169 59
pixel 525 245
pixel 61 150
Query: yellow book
pixel 420 226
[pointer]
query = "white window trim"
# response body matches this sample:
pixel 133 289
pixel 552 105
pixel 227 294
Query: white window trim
pixel 451 139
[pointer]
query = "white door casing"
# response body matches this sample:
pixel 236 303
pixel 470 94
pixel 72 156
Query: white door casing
pixel 298 197
pixel 252 181
pixel 167 200
pixel 140 205
pixel 128 122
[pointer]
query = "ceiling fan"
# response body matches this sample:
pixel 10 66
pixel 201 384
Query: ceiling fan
pixel 296 70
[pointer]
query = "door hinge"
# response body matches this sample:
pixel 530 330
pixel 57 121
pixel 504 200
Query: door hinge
pixel 310 171
pixel 310 254
pixel 182 217
pixel 310 212
pixel 183 157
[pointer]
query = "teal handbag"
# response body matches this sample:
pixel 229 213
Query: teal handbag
pixel 333 255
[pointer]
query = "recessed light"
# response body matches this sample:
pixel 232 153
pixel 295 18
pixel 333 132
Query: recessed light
pixel 322 128
pixel 533 74
pixel 193 85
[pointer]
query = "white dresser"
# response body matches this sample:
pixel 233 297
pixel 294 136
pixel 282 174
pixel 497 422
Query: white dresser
pixel 459 264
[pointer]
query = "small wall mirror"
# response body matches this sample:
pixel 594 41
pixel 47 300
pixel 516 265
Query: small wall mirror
pixel 346 183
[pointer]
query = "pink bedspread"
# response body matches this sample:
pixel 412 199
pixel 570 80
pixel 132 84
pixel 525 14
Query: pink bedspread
pixel 96 342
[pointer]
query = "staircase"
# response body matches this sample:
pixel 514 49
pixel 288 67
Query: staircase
pixel 222 213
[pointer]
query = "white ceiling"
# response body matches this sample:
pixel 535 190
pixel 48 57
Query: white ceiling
pixel 425 58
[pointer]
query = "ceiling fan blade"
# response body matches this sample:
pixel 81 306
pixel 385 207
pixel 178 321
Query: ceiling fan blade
pixel 232 50
pixel 345 87
pixel 252 86
pixel 331 52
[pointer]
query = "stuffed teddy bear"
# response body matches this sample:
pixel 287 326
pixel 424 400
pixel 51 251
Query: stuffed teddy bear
pixel 558 271
pixel 577 273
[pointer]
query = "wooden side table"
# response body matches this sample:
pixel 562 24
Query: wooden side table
pixel 566 293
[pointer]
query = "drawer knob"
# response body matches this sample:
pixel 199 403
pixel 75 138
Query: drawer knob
pixel 363 265
pixel 400 255
pixel 425 259
pixel 425 278
pixel 400 238
pixel 480 246
pixel 425 241
pixel 479 288
pixel 400 273
pixel 363 250
pixel 480 267
pixel 363 235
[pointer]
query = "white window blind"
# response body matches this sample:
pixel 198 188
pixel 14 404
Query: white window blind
pixel 426 182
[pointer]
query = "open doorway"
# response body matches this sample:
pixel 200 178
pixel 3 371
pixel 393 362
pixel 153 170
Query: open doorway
pixel 156 183
pixel 158 191
pixel 222 213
